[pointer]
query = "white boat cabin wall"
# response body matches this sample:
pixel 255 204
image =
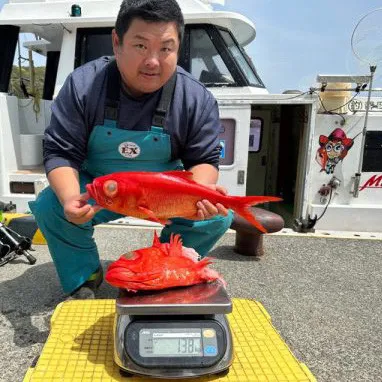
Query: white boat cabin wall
pixel 334 165
pixel 272 144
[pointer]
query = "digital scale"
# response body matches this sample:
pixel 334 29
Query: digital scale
pixel 177 333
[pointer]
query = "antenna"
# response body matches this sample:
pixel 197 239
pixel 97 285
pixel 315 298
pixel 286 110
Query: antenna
pixel 366 43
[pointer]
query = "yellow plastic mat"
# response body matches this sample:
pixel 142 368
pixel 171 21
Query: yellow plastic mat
pixel 80 347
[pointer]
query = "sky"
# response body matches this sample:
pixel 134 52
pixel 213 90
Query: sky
pixel 298 39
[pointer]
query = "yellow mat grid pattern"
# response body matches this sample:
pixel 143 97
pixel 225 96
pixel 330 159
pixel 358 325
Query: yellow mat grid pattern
pixel 80 347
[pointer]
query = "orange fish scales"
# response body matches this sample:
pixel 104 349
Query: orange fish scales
pixel 162 196
pixel 161 266
pixel 174 204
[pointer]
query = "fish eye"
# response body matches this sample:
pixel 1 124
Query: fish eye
pixel 110 188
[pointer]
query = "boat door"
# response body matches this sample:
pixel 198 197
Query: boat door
pixel 258 150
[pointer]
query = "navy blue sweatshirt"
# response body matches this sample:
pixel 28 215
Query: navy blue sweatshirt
pixel 192 120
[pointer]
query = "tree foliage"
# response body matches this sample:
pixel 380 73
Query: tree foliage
pixel 15 87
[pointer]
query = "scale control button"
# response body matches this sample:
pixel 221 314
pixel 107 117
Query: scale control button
pixel 208 333
pixel 210 350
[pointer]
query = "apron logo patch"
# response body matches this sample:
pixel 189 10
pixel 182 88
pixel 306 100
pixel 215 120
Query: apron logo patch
pixel 129 149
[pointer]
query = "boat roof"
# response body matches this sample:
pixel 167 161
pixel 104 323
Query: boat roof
pixel 34 14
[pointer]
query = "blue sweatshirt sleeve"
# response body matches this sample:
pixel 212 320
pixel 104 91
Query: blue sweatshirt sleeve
pixel 202 145
pixel 65 141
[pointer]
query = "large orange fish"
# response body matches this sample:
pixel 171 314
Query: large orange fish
pixel 159 196
pixel 160 266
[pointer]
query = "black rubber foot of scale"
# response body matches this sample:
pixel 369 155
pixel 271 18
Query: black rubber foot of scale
pixel 125 373
pixel 223 373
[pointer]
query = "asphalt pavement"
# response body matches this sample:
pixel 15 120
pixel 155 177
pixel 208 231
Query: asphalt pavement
pixel 323 295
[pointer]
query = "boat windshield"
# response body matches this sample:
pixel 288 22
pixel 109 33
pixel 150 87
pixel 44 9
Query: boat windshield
pixel 206 63
pixel 242 59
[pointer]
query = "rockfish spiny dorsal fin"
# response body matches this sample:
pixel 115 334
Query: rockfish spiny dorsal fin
pixel 156 241
pixel 175 247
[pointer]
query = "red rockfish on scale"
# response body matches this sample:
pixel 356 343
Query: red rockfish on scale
pixel 161 266
pixel 159 196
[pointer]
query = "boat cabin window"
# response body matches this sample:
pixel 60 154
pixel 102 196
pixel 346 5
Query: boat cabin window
pixel 8 42
pixel 227 141
pixel 255 134
pixel 241 58
pixel 27 68
pixel 372 156
pixel 91 44
pixel 216 59
pixel 207 64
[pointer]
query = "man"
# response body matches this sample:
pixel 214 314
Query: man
pixel 137 112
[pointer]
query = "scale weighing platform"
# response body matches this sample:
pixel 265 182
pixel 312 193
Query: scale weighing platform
pixel 180 333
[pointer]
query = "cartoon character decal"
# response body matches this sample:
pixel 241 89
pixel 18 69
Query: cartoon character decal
pixel 332 150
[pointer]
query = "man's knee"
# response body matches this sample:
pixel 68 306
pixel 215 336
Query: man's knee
pixel 221 223
pixel 46 205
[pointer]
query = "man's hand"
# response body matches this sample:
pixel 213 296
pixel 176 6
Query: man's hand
pixel 207 175
pixel 65 183
pixel 207 210
pixel 78 211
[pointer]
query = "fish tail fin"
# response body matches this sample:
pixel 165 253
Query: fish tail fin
pixel 241 204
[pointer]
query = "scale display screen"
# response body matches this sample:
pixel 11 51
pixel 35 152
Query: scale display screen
pixel 182 342
pixel 177 344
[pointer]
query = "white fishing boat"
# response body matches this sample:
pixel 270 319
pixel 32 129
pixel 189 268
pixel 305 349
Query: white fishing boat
pixel 320 149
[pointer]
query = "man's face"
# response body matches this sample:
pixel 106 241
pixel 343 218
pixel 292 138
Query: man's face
pixel 147 56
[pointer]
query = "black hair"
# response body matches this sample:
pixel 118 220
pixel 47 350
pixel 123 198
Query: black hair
pixel 149 11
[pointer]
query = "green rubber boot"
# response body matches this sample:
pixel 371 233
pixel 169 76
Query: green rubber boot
pixel 88 289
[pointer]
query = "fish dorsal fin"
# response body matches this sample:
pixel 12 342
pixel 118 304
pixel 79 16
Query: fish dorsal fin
pixel 180 174
pixel 175 247
pixel 156 241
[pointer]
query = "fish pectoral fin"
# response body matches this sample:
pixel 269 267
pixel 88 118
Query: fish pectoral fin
pixel 151 215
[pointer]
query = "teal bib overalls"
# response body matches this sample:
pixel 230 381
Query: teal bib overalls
pixel 112 149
